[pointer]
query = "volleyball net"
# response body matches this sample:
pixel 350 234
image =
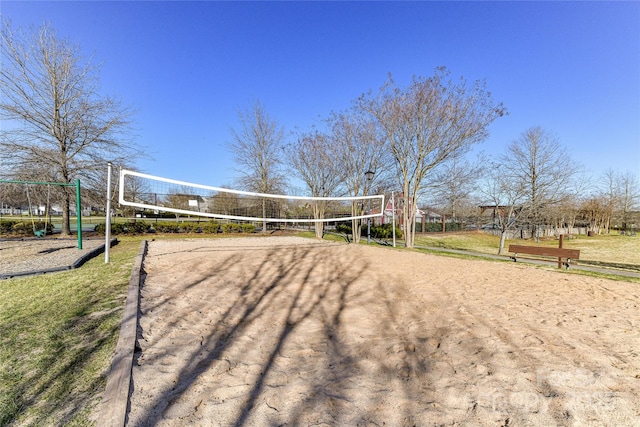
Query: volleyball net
pixel 154 194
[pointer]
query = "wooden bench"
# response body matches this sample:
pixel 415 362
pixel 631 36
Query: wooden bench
pixel 561 253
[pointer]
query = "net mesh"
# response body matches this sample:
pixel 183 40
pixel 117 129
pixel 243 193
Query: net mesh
pixel 154 193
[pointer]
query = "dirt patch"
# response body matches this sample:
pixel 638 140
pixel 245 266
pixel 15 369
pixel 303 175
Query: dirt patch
pixel 289 331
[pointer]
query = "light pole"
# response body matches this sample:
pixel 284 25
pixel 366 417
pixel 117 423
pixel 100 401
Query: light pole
pixel 369 176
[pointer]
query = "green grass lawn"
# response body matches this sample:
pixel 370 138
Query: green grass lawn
pixel 473 241
pixel 610 248
pixel 57 336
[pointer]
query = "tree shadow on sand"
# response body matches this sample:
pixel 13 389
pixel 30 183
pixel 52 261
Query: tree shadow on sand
pixel 299 336
pixel 328 335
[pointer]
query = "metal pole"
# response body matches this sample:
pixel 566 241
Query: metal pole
pixel 369 177
pixel 369 225
pixel 107 226
pixel 393 217
pixel 79 213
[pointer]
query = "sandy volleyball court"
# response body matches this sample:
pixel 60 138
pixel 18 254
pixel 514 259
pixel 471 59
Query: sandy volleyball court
pixel 288 331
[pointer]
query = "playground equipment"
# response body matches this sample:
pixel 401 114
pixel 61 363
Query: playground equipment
pixel 76 184
pixel 43 232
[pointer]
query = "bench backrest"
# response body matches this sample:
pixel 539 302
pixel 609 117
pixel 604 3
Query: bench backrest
pixel 544 251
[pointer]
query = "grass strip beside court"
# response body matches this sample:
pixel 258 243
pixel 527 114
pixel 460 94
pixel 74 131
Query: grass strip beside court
pixel 608 248
pixel 57 337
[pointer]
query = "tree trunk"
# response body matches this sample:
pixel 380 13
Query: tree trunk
pixel 413 229
pixel 503 237
pixel 407 227
pixel 409 214
pixel 318 213
pixel 355 230
pixel 355 223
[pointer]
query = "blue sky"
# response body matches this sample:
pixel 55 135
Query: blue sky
pixel 572 68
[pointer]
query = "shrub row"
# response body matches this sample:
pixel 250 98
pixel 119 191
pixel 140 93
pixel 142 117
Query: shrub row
pixel 23 228
pixel 384 231
pixel 210 227
pixel 435 227
pixel 138 227
pixel 238 228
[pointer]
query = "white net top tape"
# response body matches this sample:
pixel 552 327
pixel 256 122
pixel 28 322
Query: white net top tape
pixel 156 193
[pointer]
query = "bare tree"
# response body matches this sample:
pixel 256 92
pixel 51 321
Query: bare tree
pixel 177 201
pixel 258 152
pixel 596 211
pixel 136 189
pixel 630 196
pixel 358 147
pixel 180 197
pixel 313 159
pixel 12 196
pixel 455 182
pixel 57 123
pixel 538 163
pixel 567 213
pixel 506 195
pixel 568 208
pixel 621 192
pixel 427 123
pixel 610 196
pixel 224 203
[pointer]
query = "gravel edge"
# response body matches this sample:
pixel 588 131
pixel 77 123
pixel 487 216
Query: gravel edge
pixel 86 256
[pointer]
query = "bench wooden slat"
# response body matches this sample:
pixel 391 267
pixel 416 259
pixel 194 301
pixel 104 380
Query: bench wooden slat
pixel 545 251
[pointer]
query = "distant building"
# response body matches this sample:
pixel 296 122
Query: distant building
pixel 422 216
